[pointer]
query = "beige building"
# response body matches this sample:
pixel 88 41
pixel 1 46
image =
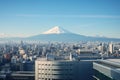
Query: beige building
pixel 55 69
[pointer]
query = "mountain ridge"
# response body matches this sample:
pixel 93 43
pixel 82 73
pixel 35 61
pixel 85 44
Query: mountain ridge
pixel 61 35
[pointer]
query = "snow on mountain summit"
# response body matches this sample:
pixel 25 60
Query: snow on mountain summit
pixel 55 30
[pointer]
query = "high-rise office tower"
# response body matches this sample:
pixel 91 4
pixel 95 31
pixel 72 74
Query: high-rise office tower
pixel 111 48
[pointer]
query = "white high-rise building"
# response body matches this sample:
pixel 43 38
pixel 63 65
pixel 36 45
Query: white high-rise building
pixel 111 48
pixel 43 51
pixel 55 69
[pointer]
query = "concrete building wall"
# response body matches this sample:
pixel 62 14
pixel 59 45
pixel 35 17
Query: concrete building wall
pixel 56 70
pixel 63 70
pixel 110 69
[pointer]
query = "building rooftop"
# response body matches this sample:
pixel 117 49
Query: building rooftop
pixel 45 59
pixel 108 67
pixel 111 63
pixel 114 60
pixel 51 57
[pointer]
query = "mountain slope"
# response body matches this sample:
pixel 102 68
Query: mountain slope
pixel 62 35
pixel 69 38
pixel 58 34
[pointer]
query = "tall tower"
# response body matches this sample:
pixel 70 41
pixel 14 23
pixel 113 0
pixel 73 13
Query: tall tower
pixel 43 51
pixel 70 57
pixel 111 48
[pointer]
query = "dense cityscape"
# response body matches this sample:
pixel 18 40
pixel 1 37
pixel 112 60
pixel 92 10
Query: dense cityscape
pixel 20 56
pixel 59 39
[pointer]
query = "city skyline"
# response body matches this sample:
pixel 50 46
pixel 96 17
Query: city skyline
pixel 86 17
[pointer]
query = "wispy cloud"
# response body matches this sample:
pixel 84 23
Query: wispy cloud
pixel 4 35
pixel 70 16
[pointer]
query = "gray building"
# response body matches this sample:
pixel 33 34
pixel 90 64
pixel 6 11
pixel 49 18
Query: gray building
pixel 108 69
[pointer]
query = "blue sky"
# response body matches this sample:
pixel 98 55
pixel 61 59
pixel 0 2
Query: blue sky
pixel 85 17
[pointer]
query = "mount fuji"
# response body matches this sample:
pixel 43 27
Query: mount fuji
pixel 56 30
pixel 61 35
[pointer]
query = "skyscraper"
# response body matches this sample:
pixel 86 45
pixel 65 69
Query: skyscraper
pixel 111 48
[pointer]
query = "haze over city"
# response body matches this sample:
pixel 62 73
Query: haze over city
pixel 21 18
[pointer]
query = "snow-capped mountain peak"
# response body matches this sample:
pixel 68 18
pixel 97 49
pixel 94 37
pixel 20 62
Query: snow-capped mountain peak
pixel 55 30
